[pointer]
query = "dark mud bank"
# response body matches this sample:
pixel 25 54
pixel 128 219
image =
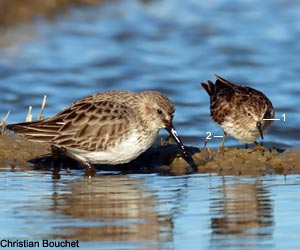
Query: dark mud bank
pixel 15 150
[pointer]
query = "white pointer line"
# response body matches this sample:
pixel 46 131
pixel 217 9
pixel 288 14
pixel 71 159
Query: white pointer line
pixel 272 119
pixel 218 136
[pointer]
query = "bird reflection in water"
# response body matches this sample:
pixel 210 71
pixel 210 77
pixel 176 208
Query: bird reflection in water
pixel 112 208
pixel 242 211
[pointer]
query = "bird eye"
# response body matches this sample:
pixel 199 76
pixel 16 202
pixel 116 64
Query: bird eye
pixel 248 114
pixel 159 111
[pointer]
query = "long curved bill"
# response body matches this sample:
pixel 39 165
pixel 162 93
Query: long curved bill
pixel 185 155
pixel 258 125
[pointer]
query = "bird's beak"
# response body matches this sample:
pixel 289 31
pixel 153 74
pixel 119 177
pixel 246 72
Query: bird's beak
pixel 258 125
pixel 185 155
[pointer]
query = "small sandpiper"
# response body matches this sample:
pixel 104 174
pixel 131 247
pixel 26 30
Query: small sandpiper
pixel 242 112
pixel 112 127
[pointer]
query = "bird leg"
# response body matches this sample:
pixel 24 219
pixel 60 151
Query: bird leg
pixel 221 150
pixel 89 168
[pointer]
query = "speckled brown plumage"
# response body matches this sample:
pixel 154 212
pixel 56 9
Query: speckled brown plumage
pixel 108 128
pixel 239 110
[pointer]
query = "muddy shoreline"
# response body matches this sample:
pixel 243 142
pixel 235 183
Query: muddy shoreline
pixel 17 151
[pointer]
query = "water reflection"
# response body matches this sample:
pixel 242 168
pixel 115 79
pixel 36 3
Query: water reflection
pixel 243 210
pixel 111 208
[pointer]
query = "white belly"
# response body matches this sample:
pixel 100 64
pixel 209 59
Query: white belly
pixel 246 135
pixel 124 152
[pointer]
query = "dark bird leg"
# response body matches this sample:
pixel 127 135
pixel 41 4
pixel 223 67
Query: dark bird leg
pixel 89 168
pixel 55 151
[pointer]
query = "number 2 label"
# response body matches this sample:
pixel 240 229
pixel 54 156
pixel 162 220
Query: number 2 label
pixel 208 137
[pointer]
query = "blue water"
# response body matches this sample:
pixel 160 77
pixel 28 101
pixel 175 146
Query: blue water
pixel 152 212
pixel 171 46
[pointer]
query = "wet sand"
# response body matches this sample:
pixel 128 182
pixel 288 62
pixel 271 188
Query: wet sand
pixel 17 151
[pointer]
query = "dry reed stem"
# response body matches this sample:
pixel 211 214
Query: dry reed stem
pixel 29 115
pixel 41 115
pixel 3 123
